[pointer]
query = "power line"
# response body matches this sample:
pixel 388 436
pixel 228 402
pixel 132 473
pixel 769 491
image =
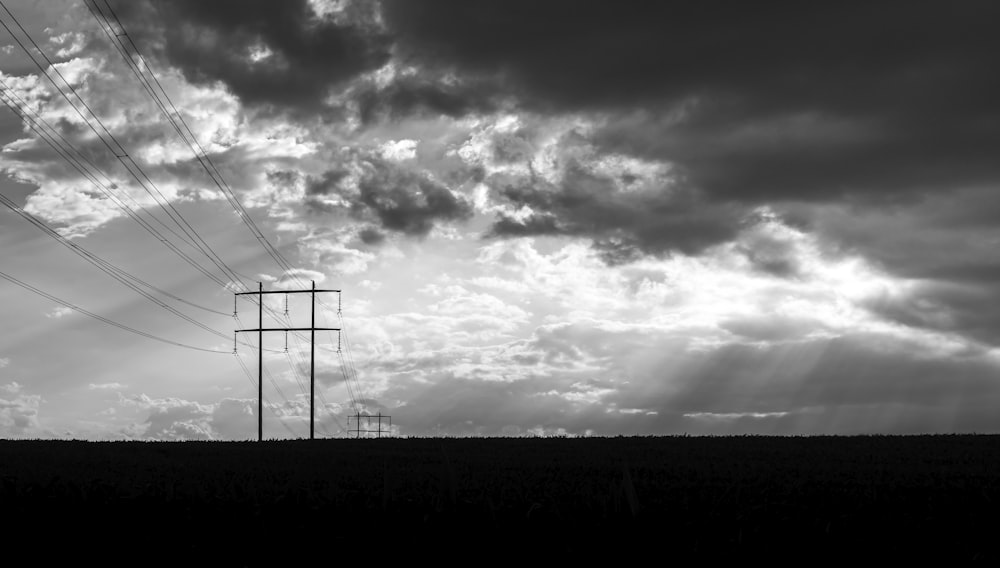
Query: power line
pixel 176 119
pixel 312 329
pixel 347 358
pixel 78 160
pixel 296 336
pixel 270 377
pixel 298 364
pixel 102 319
pixel 265 370
pixel 178 122
pixel 129 280
pixel 182 129
pixel 66 150
pixel 295 373
pixel 36 122
pixel 356 399
pixel 191 140
pixel 118 150
pixel 269 404
pixel 297 370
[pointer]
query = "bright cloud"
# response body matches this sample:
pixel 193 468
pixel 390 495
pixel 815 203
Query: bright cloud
pixel 58 312
pixel 106 386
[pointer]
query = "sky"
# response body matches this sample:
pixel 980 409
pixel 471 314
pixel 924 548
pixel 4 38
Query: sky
pixel 546 218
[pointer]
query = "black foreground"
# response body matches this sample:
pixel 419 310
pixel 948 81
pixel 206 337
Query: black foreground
pixel 476 500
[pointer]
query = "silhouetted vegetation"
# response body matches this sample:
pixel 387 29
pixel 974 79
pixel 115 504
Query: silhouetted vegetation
pixel 920 497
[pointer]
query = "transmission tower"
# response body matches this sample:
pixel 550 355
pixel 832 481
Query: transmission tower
pixel 380 417
pixel 260 349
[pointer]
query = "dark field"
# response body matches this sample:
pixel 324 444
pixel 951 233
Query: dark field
pixel 795 499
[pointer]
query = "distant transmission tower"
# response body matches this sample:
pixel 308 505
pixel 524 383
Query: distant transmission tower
pixel 380 417
pixel 260 349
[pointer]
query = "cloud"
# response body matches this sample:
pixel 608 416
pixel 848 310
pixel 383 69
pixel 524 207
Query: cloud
pixel 939 247
pixel 541 335
pixel 623 225
pixel 284 56
pixel 58 312
pixel 749 120
pixel 407 202
pixel 426 92
pixel 70 43
pixel 371 236
pixel 227 419
pixel 750 103
pixel 244 152
pixel 652 383
pixel 396 197
pixel 545 177
pixel 172 418
pixel 399 150
pixel 333 251
pixel 19 412
pixel 292 278
pixel 4 361
pixel 698 218
pixel 106 386
pixel 853 384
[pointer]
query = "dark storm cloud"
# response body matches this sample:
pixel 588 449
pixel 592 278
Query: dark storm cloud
pixel 946 306
pixel 533 225
pixel 769 253
pixel 942 248
pixel 326 183
pixel 397 198
pixel 282 178
pixel 408 202
pixel 428 93
pixel 754 101
pixel 213 41
pixel 621 224
pixel 873 104
pixel 371 236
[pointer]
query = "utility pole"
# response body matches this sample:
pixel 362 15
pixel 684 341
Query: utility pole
pixel 312 362
pixel 260 362
pixel 260 353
